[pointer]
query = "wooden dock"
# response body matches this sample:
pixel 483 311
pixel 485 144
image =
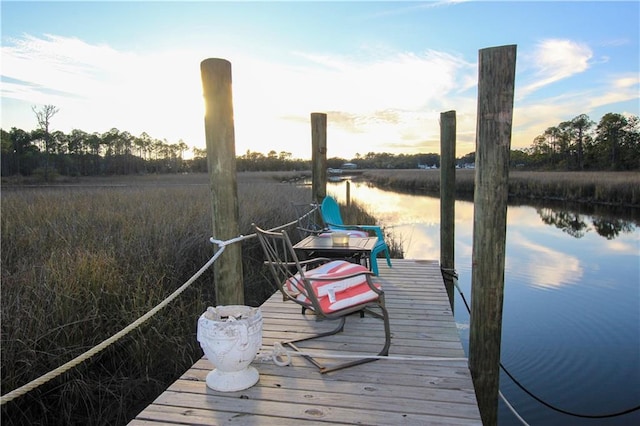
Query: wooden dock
pixel 383 392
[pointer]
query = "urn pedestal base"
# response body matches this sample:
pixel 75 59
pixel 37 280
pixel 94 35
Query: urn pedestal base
pixel 230 337
pixel 232 381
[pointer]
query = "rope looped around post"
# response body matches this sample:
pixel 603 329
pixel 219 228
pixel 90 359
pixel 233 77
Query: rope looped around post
pixel 18 392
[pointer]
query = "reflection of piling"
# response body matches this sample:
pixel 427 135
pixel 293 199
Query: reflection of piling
pixel 447 199
pixel 493 140
pixel 221 161
pixel 318 156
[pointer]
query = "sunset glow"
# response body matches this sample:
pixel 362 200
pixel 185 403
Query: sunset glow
pixel 382 71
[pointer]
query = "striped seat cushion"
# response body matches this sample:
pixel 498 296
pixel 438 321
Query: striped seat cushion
pixel 337 294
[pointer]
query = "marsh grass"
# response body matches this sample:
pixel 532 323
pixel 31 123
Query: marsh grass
pixel 81 261
pixel 613 188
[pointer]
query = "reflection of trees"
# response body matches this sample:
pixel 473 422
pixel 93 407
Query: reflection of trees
pixel 611 228
pixel 571 223
pixel 576 225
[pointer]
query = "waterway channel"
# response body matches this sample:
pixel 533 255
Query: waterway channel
pixel 571 314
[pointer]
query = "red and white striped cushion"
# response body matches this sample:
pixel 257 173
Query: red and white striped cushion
pixel 351 297
pixel 295 285
pixel 335 294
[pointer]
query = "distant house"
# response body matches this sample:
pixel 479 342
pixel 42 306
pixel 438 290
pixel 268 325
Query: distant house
pixel 426 166
pixel 466 166
pixel 349 166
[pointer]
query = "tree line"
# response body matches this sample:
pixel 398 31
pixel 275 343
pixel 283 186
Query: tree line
pixel 577 144
pixel 87 154
pixel 580 144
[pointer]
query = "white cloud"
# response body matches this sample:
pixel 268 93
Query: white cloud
pixel 97 87
pixel 377 99
pixel 548 268
pixel 555 60
pixel 65 66
pixel 401 81
pixel 388 101
pixel 532 118
pixel 619 89
pixel 628 245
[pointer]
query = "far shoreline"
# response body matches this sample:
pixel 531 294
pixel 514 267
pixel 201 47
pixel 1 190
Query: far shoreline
pixel 607 188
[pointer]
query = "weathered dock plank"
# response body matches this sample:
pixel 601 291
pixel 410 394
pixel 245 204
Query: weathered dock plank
pixel 385 392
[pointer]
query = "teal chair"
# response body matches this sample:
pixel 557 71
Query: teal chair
pixel 330 211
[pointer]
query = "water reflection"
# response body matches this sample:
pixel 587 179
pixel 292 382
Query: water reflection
pixel 544 266
pixel 612 228
pixel 576 225
pixel 568 222
pixel 399 209
pixel 571 319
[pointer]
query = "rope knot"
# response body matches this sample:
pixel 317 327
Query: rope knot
pixel 280 355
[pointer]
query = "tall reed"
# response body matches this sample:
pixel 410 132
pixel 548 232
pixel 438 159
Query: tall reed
pixel 81 263
pixel 614 188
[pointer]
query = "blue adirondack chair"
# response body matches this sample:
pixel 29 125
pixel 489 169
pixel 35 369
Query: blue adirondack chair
pixel 333 220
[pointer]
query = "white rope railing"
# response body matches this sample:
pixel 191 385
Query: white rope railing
pixel 128 329
pixel 111 340
pixel 282 357
pixel 278 355
pixel 16 393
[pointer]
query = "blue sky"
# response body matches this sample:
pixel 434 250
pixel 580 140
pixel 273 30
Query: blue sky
pixel 382 71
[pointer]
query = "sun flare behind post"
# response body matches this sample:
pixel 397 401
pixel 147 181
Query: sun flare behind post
pixel 221 161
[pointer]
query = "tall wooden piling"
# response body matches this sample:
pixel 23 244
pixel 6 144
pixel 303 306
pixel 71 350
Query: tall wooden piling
pixel 221 161
pixel 348 183
pixel 318 156
pixel 447 199
pixel 496 84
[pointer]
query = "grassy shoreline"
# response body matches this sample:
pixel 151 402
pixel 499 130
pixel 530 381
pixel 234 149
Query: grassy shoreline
pixel 81 260
pixel 607 188
pixel 610 188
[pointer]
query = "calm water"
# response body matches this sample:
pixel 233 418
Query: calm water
pixel 571 316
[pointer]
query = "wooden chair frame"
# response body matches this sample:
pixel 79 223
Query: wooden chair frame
pixel 284 264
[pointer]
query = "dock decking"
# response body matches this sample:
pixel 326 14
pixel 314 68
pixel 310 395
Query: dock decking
pixel 383 392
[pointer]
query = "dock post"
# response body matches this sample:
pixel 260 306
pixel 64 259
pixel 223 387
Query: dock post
pixel 221 162
pixel 318 156
pixel 496 83
pixel 448 200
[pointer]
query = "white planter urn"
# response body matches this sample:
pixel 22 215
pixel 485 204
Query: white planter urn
pixel 230 337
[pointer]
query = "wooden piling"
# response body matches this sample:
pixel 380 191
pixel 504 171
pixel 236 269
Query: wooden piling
pixel 221 161
pixel 496 84
pixel 318 156
pixel 447 200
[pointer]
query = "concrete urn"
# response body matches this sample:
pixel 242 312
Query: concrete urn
pixel 230 337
